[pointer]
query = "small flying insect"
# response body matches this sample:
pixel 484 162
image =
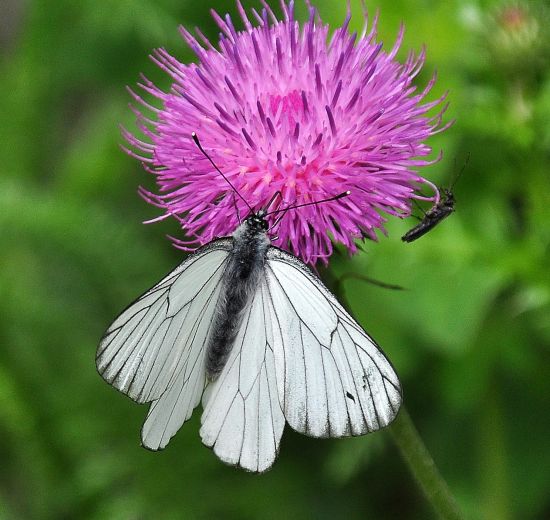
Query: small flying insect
pixel 438 212
pixel 432 217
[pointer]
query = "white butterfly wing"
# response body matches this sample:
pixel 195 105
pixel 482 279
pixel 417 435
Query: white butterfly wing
pixel 242 420
pixel 156 343
pixel 333 380
pixel 175 406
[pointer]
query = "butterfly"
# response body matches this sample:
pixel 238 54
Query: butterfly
pixel 251 331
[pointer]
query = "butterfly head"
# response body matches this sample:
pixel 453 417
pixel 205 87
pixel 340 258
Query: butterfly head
pixel 257 221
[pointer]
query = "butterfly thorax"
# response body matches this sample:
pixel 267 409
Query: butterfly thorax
pixel 240 280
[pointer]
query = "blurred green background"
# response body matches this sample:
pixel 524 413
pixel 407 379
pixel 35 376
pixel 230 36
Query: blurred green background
pixel 469 336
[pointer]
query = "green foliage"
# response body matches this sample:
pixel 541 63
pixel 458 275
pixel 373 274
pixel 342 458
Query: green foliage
pixel 469 335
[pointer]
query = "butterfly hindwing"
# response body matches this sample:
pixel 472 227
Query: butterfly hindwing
pixel 242 420
pixel 332 378
pixel 160 335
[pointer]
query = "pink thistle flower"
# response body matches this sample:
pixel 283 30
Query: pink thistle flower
pixel 284 107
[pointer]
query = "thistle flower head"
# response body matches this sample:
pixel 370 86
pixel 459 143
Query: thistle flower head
pixel 288 107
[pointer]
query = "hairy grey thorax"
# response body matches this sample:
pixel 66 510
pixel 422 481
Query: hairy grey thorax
pixel 240 280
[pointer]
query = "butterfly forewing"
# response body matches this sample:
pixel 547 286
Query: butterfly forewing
pixel 332 378
pixel 151 341
pixel 186 386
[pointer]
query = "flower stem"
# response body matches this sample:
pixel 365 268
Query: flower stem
pixel 423 467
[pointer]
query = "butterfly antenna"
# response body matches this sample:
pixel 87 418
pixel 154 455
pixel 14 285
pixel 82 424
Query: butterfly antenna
pixel 236 208
pixel 336 197
pixel 199 146
pixel 284 210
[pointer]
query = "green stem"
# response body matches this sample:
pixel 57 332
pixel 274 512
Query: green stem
pixel 495 487
pixel 423 467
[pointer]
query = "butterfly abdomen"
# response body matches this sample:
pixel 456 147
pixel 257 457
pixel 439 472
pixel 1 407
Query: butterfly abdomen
pixel 243 273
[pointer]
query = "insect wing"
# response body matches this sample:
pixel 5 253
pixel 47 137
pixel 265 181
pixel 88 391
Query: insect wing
pixel 333 380
pixel 160 337
pixel 242 420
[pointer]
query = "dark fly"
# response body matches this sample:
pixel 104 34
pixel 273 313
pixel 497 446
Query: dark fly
pixel 432 217
pixel 438 212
